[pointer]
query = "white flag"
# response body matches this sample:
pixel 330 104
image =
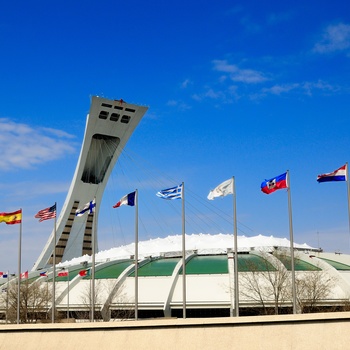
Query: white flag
pixel 222 190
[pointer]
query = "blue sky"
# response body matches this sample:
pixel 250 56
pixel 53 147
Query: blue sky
pixel 245 89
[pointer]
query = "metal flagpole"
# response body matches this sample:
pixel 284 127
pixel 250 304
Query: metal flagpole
pixel 92 289
pixel 7 295
pixel 236 247
pixel 291 243
pixel 348 186
pixel 136 257
pixel 68 295
pixel 19 267
pixel 54 270
pixel 183 253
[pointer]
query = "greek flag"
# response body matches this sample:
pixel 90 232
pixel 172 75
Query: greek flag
pixel 90 207
pixel 171 193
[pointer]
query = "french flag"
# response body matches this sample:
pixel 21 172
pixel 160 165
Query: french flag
pixel 274 184
pixel 336 175
pixel 129 199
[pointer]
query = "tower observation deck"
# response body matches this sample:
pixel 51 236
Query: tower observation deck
pixel 109 126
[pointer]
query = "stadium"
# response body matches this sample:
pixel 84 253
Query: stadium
pixel 209 280
pixel 71 280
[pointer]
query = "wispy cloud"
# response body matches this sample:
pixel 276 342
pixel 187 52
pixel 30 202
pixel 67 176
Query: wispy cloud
pixel 24 146
pixel 186 83
pixel 182 106
pixel 236 74
pixel 33 189
pixel 305 88
pixel 335 38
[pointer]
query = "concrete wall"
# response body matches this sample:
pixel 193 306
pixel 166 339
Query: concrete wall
pixel 313 331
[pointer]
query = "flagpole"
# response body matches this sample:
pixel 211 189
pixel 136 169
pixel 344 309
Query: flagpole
pixel 291 243
pixel 348 186
pixel 236 248
pixel 7 295
pixel 93 265
pixel 183 253
pixel 54 270
pixel 136 257
pixel 19 267
pixel 68 296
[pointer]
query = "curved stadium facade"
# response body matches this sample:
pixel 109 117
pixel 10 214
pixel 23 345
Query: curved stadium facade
pixel 209 283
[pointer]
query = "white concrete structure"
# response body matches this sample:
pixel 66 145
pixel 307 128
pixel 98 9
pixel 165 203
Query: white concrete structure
pixel 109 125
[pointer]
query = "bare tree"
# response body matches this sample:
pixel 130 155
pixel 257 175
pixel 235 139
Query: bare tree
pixel 34 300
pixel 311 288
pixel 115 296
pixel 266 283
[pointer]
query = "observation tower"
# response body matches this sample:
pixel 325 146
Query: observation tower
pixel 109 126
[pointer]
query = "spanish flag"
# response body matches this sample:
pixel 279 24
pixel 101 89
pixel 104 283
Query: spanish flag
pixel 11 218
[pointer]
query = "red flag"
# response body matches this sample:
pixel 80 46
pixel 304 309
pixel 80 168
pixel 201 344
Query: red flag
pixel 62 274
pixel 24 275
pixel 84 273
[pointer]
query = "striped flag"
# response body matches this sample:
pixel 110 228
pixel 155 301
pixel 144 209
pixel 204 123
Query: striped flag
pixel 336 175
pixel 129 199
pixel 24 275
pixel 46 214
pixel 171 193
pixel 62 274
pixel 11 218
pixel 274 184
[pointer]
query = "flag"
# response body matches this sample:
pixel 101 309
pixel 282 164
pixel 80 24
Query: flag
pixel 84 273
pixel 222 190
pixel 24 275
pixel 88 207
pixel 4 275
pixel 129 199
pixel 274 184
pixel 44 274
pixel 171 193
pixel 46 214
pixel 11 218
pixel 62 274
pixel 336 175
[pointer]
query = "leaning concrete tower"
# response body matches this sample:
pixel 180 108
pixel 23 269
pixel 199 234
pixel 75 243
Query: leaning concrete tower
pixel 109 125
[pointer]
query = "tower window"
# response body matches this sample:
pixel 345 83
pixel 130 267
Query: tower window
pixel 125 119
pixel 103 114
pixel 114 117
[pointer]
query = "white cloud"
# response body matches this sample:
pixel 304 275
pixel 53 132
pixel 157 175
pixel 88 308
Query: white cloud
pixel 24 146
pixel 307 88
pixel 186 83
pixel 279 89
pixel 247 76
pixel 335 38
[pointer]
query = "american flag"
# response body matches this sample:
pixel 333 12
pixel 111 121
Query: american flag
pixel 47 213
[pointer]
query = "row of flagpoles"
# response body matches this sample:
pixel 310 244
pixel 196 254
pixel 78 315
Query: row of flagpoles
pixel 225 188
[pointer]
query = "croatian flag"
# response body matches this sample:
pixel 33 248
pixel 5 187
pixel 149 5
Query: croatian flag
pixel 90 207
pixel 129 199
pixel 274 184
pixel 336 175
